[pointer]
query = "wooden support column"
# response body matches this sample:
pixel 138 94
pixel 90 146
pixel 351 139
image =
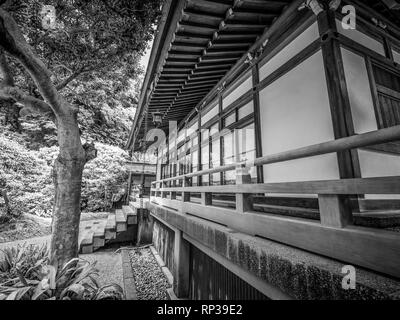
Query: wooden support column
pixel 257 122
pixel 335 211
pixel 185 194
pixel 244 201
pixel 163 193
pixel 342 120
pixel 348 161
pixel 181 264
pixel 206 198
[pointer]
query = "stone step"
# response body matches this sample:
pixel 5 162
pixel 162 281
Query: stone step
pixel 86 243
pixel 110 229
pixel 99 229
pixel 130 215
pixel 120 221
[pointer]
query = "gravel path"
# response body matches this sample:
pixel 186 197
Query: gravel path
pixel 150 281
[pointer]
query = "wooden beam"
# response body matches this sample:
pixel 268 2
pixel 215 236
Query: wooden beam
pixel 188 25
pixel 215 76
pixel 225 51
pixel 193 46
pixel 241 25
pixel 208 59
pixel 222 43
pixel 212 66
pixel 196 82
pixel 175 54
pixel 335 211
pixel 357 141
pixel 203 15
pixel 191 36
pixel 342 121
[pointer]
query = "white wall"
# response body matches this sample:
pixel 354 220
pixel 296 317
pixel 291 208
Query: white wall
pixel 295 112
pixel 361 38
pixel 210 113
pixel 361 103
pixel 245 85
pixel 298 44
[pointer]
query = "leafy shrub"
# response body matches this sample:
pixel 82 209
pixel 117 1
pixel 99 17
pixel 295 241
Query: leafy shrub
pixel 26 275
pixel 28 176
pixel 22 261
pixel 102 175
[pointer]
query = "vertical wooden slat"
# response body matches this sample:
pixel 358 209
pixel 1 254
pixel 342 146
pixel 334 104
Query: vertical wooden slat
pixel 335 211
pixel 181 261
pixel 257 121
pixel 206 199
pixel 243 200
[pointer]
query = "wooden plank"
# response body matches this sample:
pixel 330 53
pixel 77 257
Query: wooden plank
pixel 353 142
pixel 182 263
pixel 381 185
pixel 339 100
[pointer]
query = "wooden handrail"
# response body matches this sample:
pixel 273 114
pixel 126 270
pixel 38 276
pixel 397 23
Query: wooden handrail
pixel 378 185
pixel 357 141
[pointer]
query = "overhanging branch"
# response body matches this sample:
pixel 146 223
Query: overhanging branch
pixel 14 43
pixel 30 103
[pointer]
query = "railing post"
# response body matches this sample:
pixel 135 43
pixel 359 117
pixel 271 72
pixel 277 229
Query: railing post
pixel 244 201
pixel 173 193
pixel 335 210
pixel 185 194
pixel 206 198
pixel 163 193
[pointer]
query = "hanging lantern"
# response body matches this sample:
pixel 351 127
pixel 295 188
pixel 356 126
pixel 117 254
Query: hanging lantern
pixel 157 118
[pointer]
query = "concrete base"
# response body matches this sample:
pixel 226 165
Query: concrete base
pixel 290 271
pixel 129 280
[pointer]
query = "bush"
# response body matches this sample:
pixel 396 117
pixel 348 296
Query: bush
pixel 26 275
pixel 102 175
pixel 28 176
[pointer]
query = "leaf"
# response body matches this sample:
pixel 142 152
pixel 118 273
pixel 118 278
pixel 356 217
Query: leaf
pixel 76 288
pixel 51 273
pixel 21 278
pixel 41 288
pixel 17 294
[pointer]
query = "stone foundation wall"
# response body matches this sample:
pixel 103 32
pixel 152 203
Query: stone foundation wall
pixel 296 273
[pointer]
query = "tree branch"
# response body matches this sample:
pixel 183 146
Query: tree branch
pixel 8 91
pixel 80 72
pixel 30 103
pixel 13 42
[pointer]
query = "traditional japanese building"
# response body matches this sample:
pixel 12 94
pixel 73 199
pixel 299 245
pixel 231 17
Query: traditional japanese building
pixel 280 178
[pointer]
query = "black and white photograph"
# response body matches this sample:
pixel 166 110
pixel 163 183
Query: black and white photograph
pixel 199 154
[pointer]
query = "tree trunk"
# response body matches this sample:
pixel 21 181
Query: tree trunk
pixel 67 177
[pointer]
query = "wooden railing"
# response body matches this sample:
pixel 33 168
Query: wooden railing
pixel 334 235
